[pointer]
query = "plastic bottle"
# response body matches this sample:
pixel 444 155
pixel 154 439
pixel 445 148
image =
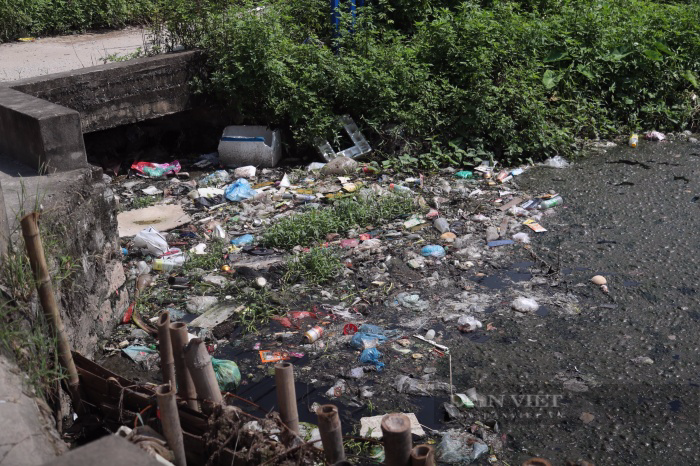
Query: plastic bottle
pixel 634 139
pixel 549 203
pixel 399 188
pixel 168 264
pixel 441 225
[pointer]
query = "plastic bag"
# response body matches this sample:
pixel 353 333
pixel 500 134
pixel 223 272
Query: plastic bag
pixel 556 162
pixel 213 179
pixel 244 240
pixel 156 169
pixel 453 448
pixel 227 374
pixel 363 340
pixel 239 191
pixel 152 241
pixel 433 250
pixel 405 384
pixel 372 355
pixel 368 336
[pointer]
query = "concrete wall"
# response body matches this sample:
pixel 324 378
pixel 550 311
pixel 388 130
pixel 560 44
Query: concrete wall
pixel 39 133
pixel 42 119
pixel 120 93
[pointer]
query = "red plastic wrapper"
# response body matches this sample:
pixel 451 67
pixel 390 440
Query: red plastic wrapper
pixel 127 315
pixel 301 314
pixel 156 169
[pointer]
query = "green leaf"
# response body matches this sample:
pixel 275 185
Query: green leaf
pixel 660 46
pixel 585 71
pixel 557 54
pixel 653 54
pixel 550 79
pixel 692 79
pixel 619 53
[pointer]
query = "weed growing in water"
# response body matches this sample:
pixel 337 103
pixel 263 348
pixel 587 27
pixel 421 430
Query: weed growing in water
pixel 319 265
pixel 313 226
pixel 210 261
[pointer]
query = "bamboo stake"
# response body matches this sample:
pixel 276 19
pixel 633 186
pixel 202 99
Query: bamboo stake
pixel 167 362
pixel 423 455
pixel 170 419
pixel 199 364
pixel 331 433
pixel 286 395
pixel 185 386
pixel 35 250
pixel 396 428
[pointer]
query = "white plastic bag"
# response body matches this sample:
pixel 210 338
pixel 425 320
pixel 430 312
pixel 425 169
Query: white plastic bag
pixel 152 241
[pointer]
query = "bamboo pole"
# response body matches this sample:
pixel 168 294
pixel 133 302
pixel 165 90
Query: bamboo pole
pixel 286 395
pixel 331 433
pixel 185 386
pixel 35 250
pixel 423 455
pixel 167 362
pixel 170 419
pixel 396 428
pixel 199 364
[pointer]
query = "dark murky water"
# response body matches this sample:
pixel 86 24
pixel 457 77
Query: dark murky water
pixel 630 215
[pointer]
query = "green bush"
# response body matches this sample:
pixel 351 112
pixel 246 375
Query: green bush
pixel 19 18
pixel 439 82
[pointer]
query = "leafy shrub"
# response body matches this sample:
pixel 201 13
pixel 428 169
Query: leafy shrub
pixel 20 18
pixel 438 82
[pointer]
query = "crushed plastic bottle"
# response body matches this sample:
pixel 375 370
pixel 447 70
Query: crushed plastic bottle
pixel 214 179
pixel 549 203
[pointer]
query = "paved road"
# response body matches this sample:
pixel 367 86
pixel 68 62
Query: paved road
pixel 20 60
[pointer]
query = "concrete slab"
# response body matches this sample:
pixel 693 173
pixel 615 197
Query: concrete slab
pixel 28 437
pixel 39 133
pixel 107 451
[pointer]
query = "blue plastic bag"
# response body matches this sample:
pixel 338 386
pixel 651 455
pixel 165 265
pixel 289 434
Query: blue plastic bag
pixel 433 250
pixel 363 340
pixel 372 355
pixel 239 191
pixel 244 240
pixel 372 329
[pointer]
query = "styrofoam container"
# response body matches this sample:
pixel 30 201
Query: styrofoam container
pixel 250 145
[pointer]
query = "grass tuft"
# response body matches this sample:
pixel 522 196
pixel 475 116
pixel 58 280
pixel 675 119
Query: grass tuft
pixel 313 226
pixel 318 265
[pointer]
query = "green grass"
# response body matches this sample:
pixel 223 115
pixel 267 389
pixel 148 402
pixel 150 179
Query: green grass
pixel 144 201
pixel 213 258
pixel 34 349
pixel 313 226
pixel 317 266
